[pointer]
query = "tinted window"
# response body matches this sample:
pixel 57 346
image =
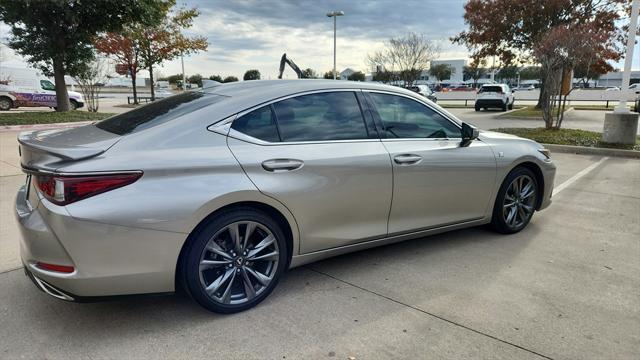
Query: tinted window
pixel 158 112
pixel 324 116
pixel 405 118
pixel 485 89
pixel 259 123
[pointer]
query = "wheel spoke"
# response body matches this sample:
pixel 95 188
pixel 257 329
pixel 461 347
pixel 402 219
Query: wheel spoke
pixel 208 264
pixel 216 249
pixel 261 246
pixel 523 215
pixel 526 189
pixel 262 279
pixel 527 208
pixel 226 296
pixel 266 257
pixel 509 205
pixel 234 231
pixel 248 285
pixel 215 285
pixel 511 216
pixel 247 234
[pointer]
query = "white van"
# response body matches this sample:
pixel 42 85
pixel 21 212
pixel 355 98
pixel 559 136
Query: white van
pixel 28 88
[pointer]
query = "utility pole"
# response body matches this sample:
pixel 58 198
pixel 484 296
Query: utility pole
pixel 184 77
pixel 621 125
pixel 334 14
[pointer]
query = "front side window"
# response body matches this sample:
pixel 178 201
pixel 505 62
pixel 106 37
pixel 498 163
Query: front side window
pixel 405 118
pixel 320 117
pixel 259 123
pixel 47 85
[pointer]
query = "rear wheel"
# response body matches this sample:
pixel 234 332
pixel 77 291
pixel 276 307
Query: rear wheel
pixel 235 261
pixel 511 105
pixel 477 108
pixel 5 103
pixel 516 201
pixel 73 105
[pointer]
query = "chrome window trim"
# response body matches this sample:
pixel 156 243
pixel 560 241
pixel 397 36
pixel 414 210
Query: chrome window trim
pixel 454 121
pixel 220 126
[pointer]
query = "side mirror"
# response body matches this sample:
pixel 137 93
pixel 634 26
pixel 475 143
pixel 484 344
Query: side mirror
pixel 469 133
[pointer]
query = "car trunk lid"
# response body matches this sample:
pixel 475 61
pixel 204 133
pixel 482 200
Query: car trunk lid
pixel 50 149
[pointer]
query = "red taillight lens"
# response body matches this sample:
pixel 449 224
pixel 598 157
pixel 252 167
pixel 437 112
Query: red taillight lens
pixel 63 190
pixel 57 268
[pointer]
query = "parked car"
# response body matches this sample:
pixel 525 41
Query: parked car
pixel 26 88
pixel 611 88
pixel 635 88
pixel 494 96
pixel 220 190
pixel 462 87
pixel 425 91
pixel 529 87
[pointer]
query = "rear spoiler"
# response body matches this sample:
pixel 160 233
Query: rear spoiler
pixel 65 152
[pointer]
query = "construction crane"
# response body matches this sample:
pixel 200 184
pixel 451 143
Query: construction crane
pixel 291 64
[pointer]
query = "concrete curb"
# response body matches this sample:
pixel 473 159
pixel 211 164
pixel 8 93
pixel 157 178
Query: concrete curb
pixel 584 150
pixel 8 128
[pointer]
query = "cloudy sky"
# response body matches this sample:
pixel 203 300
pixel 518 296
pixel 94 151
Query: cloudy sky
pixel 253 34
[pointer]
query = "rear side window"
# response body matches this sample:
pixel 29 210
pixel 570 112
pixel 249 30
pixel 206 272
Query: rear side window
pixel 405 118
pixel 259 124
pixel 318 117
pixel 158 112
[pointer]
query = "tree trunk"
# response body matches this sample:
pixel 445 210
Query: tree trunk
pixel 62 96
pixel 133 83
pixel 153 94
pixel 541 95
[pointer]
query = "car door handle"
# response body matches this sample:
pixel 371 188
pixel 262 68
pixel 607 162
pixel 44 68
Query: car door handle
pixel 274 165
pixel 407 159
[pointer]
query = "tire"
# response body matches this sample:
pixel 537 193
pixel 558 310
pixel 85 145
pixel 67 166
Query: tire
pixel 510 219
pixel 233 281
pixel 511 105
pixel 504 107
pixel 5 103
pixel 73 105
pixel 477 108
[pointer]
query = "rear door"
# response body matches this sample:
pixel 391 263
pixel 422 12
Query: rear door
pixel 436 182
pixel 318 155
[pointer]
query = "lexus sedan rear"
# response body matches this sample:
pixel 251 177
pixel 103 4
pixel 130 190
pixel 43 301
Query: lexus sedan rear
pixel 221 190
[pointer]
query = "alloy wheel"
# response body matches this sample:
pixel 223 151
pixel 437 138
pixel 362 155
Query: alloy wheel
pixel 239 262
pixel 519 201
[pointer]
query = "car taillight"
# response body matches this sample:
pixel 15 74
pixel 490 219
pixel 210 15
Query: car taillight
pixel 64 189
pixel 57 268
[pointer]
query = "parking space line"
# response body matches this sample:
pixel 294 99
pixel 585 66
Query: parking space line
pixel 577 176
pixel 430 314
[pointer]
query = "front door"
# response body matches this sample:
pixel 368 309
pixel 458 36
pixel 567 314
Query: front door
pixel 317 155
pixel 436 182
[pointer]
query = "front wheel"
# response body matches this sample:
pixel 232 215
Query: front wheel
pixel 5 103
pixel 235 261
pixel 516 201
pixel 73 105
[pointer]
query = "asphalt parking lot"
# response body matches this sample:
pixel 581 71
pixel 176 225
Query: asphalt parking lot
pixel 566 287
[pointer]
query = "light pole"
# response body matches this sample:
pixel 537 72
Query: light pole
pixel 334 14
pixel 184 77
pixel 628 59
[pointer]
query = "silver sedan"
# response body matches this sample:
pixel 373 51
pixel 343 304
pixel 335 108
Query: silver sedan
pixel 219 191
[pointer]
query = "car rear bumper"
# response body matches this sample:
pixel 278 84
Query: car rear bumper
pixel 107 260
pixel 489 103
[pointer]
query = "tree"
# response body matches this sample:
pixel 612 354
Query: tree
pixel 475 71
pixel 441 71
pixel 173 79
pixel 530 73
pixel 406 56
pixel 229 79
pixel 91 78
pixel 165 41
pixel 121 48
pixel 309 73
pixel 217 78
pixel 512 30
pixel 195 79
pixel 383 76
pixel 251 75
pixel 508 73
pixel 329 75
pixel 56 36
pixel 356 76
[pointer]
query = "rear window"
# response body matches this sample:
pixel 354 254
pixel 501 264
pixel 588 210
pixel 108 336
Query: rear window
pixel 158 112
pixel 486 89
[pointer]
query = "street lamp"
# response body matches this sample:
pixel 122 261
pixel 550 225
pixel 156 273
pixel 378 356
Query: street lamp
pixel 334 14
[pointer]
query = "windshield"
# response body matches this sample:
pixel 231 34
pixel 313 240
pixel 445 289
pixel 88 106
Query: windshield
pixel 158 112
pixel 47 85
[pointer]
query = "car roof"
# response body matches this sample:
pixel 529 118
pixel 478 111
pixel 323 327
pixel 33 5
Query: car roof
pixel 265 90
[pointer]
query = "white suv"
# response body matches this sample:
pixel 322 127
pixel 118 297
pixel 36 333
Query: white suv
pixel 494 96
